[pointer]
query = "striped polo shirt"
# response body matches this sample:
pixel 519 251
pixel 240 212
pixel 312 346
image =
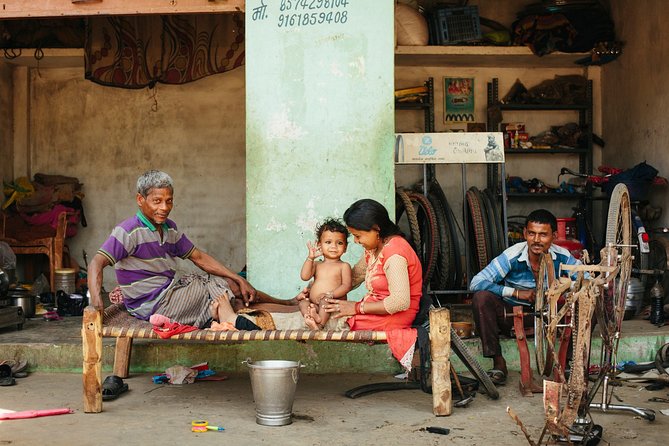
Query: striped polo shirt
pixel 511 269
pixel 145 265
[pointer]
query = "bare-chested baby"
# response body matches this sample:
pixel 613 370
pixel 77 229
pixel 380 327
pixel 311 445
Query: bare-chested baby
pixel 331 276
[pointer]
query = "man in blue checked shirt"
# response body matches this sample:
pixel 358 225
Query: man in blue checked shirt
pixel 512 276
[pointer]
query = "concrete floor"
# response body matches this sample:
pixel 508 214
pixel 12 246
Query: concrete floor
pixel 150 414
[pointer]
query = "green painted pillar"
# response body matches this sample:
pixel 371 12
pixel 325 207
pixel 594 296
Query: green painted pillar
pixel 319 125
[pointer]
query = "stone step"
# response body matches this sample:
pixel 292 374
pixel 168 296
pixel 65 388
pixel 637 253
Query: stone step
pixel 55 346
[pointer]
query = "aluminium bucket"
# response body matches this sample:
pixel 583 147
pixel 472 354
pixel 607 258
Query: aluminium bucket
pixel 273 383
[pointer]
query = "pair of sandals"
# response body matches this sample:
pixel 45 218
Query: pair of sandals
pixel 12 369
pixel 112 387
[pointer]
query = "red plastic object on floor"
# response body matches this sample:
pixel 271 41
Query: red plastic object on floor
pixel 34 413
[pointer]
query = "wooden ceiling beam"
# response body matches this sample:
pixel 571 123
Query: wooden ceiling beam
pixel 22 9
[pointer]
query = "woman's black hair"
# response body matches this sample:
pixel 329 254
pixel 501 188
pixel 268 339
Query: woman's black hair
pixel 332 225
pixel 368 214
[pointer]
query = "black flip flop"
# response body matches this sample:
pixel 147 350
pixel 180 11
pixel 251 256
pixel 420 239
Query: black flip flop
pixel 112 387
pixel 6 378
pixel 497 377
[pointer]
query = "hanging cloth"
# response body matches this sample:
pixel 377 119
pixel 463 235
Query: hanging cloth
pixel 139 51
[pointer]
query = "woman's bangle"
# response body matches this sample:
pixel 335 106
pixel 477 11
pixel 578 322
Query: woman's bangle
pixel 515 293
pixel 309 259
pixel 362 307
pixel 357 308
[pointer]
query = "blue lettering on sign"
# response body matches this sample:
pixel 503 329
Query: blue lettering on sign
pixel 426 150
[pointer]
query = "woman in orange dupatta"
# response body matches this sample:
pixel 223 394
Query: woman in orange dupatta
pixel 393 275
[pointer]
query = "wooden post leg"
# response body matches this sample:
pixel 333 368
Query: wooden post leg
pixel 440 348
pixel 122 357
pixel 526 384
pixel 91 336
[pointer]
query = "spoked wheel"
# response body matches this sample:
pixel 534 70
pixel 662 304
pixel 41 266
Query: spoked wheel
pixel 619 252
pixel 611 305
pixel 544 312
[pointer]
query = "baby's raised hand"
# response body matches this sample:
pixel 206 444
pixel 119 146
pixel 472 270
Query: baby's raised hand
pixel 314 250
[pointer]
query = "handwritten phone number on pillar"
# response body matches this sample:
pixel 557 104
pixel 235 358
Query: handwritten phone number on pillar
pixel 313 18
pixel 294 5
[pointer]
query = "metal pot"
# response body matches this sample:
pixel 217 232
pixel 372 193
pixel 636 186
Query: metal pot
pixel 634 301
pixel 25 301
pixel 463 329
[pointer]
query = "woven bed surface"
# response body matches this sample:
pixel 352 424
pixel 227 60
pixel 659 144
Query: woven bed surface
pixel 117 322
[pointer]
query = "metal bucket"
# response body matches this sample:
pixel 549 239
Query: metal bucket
pixel 634 300
pixel 273 383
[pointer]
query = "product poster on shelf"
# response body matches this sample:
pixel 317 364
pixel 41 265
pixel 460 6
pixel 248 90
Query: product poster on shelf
pixel 459 99
pixel 449 148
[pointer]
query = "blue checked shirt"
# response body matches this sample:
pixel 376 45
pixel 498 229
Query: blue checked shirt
pixel 511 269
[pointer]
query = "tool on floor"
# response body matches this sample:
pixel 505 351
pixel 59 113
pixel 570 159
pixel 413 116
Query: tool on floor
pixel 203 426
pixel 437 430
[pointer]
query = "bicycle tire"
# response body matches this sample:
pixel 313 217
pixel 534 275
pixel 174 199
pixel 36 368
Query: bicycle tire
pixel 610 307
pixel 619 234
pixel 497 217
pixel 488 233
pixel 542 345
pixel 455 277
pixel 492 226
pixel 429 235
pixel 404 206
pixel 473 365
pixel 477 231
pixel 442 273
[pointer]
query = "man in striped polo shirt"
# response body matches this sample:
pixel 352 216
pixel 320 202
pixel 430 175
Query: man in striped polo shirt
pixel 510 277
pixel 143 250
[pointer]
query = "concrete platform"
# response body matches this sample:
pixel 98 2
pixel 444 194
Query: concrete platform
pixel 55 346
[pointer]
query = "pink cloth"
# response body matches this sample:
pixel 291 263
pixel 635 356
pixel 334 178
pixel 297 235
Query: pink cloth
pixel 116 296
pixel 401 337
pixel 166 328
pixel 34 413
pixel 173 329
pixel 51 218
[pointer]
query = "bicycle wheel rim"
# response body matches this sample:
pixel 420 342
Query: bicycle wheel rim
pixel 618 236
pixel 542 350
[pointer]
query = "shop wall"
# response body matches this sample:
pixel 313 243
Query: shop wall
pixel 319 131
pixel 634 95
pixel 545 168
pixel 106 137
pixel 6 118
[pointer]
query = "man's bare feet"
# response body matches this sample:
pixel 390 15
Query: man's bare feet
pixel 214 308
pixel 311 323
pixel 313 312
